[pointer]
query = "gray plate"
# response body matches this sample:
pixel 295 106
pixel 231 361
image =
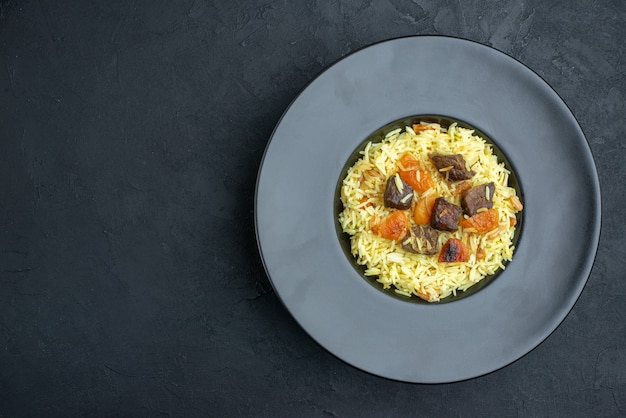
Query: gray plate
pixel 295 216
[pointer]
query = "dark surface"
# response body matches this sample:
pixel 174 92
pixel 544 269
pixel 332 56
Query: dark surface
pixel 465 336
pixel 130 138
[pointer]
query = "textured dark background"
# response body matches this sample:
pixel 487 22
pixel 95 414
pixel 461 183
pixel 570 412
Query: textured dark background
pixel 131 133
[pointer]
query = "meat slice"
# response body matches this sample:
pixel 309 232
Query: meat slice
pixel 477 197
pixel 452 167
pixel 421 239
pixel 398 193
pixel 445 216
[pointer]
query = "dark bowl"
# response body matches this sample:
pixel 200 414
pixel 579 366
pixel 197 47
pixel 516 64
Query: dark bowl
pixel 378 136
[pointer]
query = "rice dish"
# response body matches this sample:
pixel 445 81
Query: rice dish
pixel 459 253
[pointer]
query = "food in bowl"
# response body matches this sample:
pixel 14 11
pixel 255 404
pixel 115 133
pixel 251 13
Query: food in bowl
pixel 429 210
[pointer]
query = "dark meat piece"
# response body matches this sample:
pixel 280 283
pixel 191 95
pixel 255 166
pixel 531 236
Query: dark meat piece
pixel 452 167
pixel 445 216
pixel 478 197
pixel 398 197
pixel 421 239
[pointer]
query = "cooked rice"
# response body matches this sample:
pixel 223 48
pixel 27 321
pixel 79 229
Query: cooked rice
pixel 415 274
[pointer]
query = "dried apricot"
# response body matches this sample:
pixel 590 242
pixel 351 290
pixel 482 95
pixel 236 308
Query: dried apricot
pixel 462 187
pixel 517 204
pixel 424 209
pixel 482 222
pixel 454 251
pixel 365 200
pixel 420 127
pixel 415 173
pixel 429 295
pixel 393 227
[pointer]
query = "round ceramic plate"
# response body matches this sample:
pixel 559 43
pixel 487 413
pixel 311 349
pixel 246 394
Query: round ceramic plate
pixel 296 210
